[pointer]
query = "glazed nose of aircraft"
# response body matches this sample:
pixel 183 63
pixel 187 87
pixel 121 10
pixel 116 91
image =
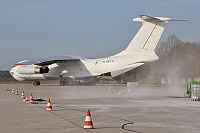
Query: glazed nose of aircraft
pixel 12 71
pixel 15 74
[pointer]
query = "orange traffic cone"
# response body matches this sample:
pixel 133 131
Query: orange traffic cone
pixel 16 92
pixel 25 99
pixel 88 121
pixel 13 90
pixel 49 106
pixel 23 94
pixel 31 98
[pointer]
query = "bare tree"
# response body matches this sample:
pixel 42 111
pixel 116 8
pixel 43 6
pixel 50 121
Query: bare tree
pixel 178 57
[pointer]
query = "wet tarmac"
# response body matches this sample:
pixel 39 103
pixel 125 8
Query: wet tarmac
pixel 114 109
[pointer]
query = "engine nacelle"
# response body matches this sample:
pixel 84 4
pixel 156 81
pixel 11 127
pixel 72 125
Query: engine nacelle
pixel 33 69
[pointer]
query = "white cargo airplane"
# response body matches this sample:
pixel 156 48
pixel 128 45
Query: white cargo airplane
pixel 75 70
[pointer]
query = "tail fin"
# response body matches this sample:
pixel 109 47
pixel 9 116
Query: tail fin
pixel 146 39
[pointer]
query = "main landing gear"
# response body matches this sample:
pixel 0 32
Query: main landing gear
pixel 69 83
pixel 75 83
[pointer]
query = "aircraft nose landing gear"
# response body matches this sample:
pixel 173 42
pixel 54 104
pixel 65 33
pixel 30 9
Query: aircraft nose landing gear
pixel 36 83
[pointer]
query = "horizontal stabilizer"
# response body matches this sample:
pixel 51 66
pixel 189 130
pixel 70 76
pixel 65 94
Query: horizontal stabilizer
pixel 149 18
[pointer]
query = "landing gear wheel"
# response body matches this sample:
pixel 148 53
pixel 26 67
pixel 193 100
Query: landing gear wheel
pixel 63 83
pixel 70 83
pixel 36 83
pixel 93 83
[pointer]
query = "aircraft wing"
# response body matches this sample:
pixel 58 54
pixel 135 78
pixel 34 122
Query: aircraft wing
pixel 52 59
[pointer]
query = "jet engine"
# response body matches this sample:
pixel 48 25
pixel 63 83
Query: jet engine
pixel 33 69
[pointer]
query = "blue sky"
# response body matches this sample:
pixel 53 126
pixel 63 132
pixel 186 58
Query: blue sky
pixel 31 29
